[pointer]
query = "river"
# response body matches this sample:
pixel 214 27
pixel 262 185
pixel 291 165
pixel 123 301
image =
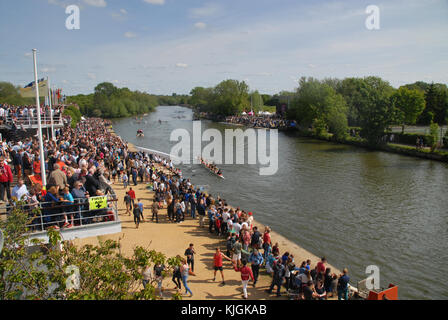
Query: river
pixel 354 206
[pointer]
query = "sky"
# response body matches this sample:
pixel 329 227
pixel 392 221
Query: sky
pixel 166 46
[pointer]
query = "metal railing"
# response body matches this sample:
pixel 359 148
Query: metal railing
pixel 79 214
pixel 28 121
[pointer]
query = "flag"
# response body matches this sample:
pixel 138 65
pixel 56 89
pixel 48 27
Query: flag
pixel 29 92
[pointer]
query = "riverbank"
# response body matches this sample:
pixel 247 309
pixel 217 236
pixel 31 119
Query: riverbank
pixel 397 148
pixel 173 239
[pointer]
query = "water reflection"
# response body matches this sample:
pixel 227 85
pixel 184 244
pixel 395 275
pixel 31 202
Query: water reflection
pixel 355 206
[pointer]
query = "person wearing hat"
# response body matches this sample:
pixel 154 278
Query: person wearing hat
pixel 250 219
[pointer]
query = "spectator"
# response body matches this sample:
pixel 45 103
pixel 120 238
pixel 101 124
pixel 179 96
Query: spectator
pixel 19 190
pixel 5 180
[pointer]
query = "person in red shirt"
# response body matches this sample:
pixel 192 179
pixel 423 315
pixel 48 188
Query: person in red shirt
pixel 36 167
pixel 246 274
pixel 5 180
pixel 320 269
pixel 217 263
pixel 132 195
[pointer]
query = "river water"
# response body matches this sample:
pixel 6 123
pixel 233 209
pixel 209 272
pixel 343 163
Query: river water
pixel 354 206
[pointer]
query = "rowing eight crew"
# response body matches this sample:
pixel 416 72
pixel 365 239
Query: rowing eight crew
pixel 211 167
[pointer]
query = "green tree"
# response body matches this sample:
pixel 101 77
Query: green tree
pixel 42 272
pixel 433 135
pixel 410 103
pixel 256 101
pixel 370 105
pixel 318 105
pixel 111 102
pixel 436 110
pixel 230 97
pixel 201 98
pixel 10 94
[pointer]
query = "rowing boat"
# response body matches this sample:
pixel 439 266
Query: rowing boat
pixel 202 162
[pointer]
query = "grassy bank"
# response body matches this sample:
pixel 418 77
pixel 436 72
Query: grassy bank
pixel 426 153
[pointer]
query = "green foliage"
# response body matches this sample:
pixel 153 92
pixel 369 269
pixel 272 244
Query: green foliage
pixel 104 272
pixel 433 135
pixel 319 127
pixel 436 97
pixel 411 138
pixel 419 85
pixel 173 100
pixel 74 113
pixel 370 106
pixel 109 101
pixel 410 104
pixel 317 104
pixel 229 97
pixel 85 102
pixel 256 101
pixel 10 94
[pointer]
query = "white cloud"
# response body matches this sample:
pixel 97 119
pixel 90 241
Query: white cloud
pixel 200 25
pixel 130 35
pixel 96 3
pixel 48 70
pixel 120 16
pixel 158 2
pixel 208 10
pixel 91 75
pixel 28 54
pixel 60 3
pixel 181 65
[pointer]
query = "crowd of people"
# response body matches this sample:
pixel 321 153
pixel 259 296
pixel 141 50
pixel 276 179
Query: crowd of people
pixel 86 161
pixel 269 122
pixel 23 115
pixel 249 250
pixel 77 163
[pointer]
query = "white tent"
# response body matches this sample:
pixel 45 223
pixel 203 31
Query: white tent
pixel 244 113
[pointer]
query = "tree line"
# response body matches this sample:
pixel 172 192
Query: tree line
pixel 371 103
pixel 328 106
pixel 108 101
pixel 10 94
pixel 331 106
pixel 229 97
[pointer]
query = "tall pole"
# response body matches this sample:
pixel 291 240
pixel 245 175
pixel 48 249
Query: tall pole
pixel 39 125
pixel 51 109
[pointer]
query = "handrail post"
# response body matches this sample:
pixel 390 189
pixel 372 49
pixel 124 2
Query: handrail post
pixel 41 218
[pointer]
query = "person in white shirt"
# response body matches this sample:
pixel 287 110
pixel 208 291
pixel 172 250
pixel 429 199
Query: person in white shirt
pixel 19 190
pixel 237 227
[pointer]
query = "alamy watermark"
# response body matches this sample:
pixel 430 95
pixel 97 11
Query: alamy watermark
pixel 257 151
pixel 73 280
pixel 373 280
pixel 73 21
pixel 373 20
